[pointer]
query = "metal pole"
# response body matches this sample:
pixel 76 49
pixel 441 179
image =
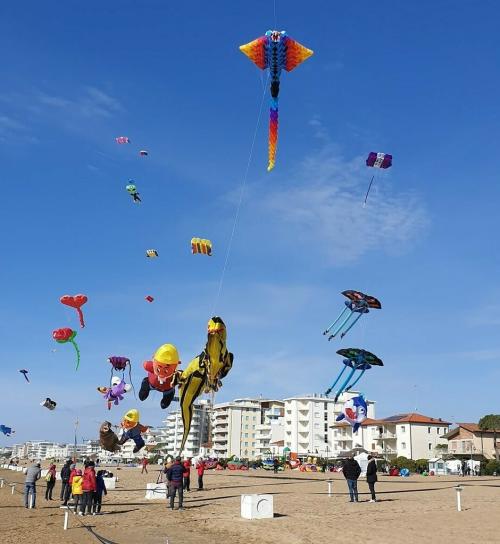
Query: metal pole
pixel 330 485
pixel 459 502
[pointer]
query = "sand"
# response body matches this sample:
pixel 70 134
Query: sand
pixel 411 510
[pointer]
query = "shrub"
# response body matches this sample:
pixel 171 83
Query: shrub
pixel 492 467
pixel 404 462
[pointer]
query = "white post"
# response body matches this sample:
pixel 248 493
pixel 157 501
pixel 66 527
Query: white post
pixel 1 482
pixel 13 488
pixel 32 499
pixel 459 502
pixel 66 517
pixel 330 485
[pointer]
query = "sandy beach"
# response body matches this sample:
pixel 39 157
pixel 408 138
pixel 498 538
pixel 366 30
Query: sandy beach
pixel 411 510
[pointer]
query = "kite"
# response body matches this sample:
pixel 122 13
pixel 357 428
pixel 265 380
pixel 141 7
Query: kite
pixel 276 51
pixel 143 153
pixel 107 438
pixel 149 298
pixel 204 373
pixel 132 429
pixel 119 364
pixel 76 302
pixel 132 191
pixel 357 303
pixel 114 393
pixel 161 374
pixel 355 359
pixel 67 335
pixel 377 160
pixel 200 245
pixel 151 253
pixel 7 431
pixel 122 140
pixel 24 372
pixel 49 403
pixel 354 412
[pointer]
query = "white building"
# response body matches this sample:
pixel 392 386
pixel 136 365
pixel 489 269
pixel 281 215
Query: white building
pixel 198 434
pixel 310 425
pixel 412 435
pixel 270 433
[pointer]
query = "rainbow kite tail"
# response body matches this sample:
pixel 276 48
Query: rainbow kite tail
pixel 273 133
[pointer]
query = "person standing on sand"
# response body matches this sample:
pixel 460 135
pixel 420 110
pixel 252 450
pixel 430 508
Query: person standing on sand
pixel 33 474
pixel 89 487
pixel 76 488
pixel 276 465
pixel 51 482
pixel 144 464
pixel 200 468
pixel 351 471
pixel 174 475
pixel 65 485
pixel 371 476
pixel 100 489
pixel 168 465
pixel 186 476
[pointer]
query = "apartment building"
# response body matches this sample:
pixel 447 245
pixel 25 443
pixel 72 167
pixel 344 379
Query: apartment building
pixel 310 425
pixel 411 435
pixel 234 428
pixel 198 434
pixel 270 432
pixel 469 441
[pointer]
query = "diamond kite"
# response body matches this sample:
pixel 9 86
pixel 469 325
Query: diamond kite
pixel 276 51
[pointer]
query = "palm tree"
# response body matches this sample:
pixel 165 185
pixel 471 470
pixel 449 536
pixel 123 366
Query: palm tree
pixel 489 422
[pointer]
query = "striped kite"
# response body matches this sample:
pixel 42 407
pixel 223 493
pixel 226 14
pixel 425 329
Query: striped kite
pixel 199 245
pixel 276 51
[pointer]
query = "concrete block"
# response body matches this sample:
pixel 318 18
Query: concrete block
pixel 257 506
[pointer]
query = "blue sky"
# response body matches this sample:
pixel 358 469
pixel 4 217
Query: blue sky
pixel 418 80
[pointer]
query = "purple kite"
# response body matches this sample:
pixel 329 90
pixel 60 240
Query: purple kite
pixel 377 160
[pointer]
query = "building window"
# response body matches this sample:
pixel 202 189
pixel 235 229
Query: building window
pixel 326 427
pixel 246 435
pixel 430 446
pixel 245 444
pixel 373 446
pixel 403 429
pixel 325 406
pixel 326 416
pixel 316 425
pixel 316 414
pixel 437 430
pixel 403 445
pixel 429 430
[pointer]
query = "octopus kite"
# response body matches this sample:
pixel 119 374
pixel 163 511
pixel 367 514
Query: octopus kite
pixel 355 359
pixel 357 303
pixel 204 373
pixel 276 51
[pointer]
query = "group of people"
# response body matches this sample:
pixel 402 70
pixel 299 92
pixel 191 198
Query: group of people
pixel 178 475
pixel 86 488
pixel 352 471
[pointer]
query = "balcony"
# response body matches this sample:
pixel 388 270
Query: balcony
pixel 385 436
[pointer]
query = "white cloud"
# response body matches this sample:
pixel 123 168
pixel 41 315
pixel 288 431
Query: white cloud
pixel 91 103
pixel 321 204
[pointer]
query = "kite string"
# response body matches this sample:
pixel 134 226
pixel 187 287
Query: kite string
pixel 275 22
pixel 240 200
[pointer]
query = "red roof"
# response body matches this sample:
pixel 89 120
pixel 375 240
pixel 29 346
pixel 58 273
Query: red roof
pixel 401 418
pixel 471 427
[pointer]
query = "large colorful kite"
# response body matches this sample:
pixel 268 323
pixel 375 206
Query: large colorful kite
pixel 161 374
pixel 354 412
pixel 276 51
pixel 204 373
pixel 355 359
pixel 356 303
pixel 67 335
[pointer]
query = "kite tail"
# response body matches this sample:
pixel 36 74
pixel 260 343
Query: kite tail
pixel 273 133
pixel 77 354
pixel 351 325
pixel 192 380
pixel 339 327
pixel 80 315
pixel 343 386
pixel 329 390
pixel 355 381
pixel 337 320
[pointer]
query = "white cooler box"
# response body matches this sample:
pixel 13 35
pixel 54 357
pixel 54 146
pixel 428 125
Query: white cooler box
pixel 257 506
pixel 156 491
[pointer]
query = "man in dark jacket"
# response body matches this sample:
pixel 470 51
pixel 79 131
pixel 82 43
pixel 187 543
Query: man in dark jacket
pixel 65 486
pixel 371 476
pixel 351 471
pixel 174 475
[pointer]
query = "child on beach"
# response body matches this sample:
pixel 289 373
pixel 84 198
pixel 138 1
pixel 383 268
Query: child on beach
pixel 76 489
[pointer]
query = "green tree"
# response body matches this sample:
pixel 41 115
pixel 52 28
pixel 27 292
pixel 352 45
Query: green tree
pixel 488 423
pixel 404 462
pixel 492 467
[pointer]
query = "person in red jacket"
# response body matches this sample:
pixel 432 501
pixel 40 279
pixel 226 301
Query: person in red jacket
pixel 200 468
pixel 144 464
pixel 89 488
pixel 186 475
